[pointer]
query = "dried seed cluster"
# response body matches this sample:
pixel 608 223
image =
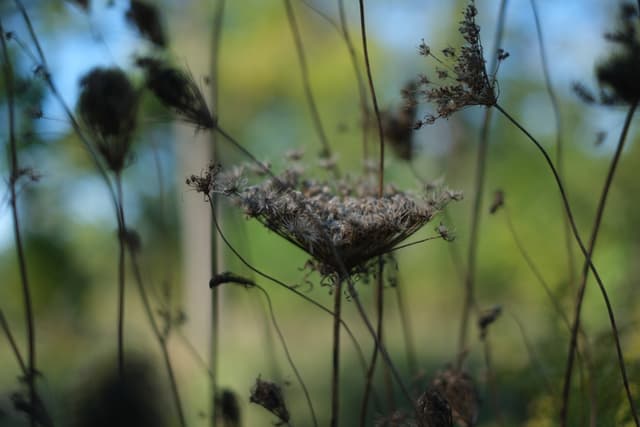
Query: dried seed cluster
pixel 341 225
pixel 108 106
pixel 269 396
pixel 462 78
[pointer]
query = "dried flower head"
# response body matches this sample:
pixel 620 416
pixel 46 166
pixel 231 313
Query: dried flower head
pixel 398 125
pixel 618 75
pixel 146 18
pixel 458 388
pixel 269 396
pixel 108 106
pixel 461 75
pixel 342 224
pixel 486 319
pixel 227 402
pixel 434 410
pixel 177 90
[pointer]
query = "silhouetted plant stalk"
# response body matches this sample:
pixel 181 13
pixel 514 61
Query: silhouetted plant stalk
pixel 484 321
pixel 374 99
pixel 16 173
pixel 583 283
pixel 216 39
pixel 304 70
pixel 559 137
pixel 161 336
pixel 589 265
pixel 335 360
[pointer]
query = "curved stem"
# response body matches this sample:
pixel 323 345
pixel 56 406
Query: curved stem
pixel 583 284
pixel 304 70
pixel 559 137
pixel 372 90
pixel 122 230
pixel 335 371
pixel 22 263
pixel 588 265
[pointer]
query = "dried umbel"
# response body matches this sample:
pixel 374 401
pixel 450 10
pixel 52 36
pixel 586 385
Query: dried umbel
pixel 434 410
pixel 399 125
pixel 178 91
pixel 146 19
pixel 269 396
pixel 108 106
pixel 342 225
pixel 461 77
pixel 459 390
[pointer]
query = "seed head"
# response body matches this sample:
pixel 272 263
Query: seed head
pixel 108 106
pixel 178 91
pixel 146 18
pixel 269 396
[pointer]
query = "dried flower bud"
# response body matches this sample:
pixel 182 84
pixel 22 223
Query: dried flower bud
pixel 146 18
pixel 434 410
pixel 498 201
pixel 108 106
pixel 227 402
pixel 178 91
pixel 487 317
pixel 398 125
pixel 269 396
pixel 458 388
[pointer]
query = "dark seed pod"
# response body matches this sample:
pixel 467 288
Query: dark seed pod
pixel 108 106
pixel 269 396
pixel 146 18
pixel 229 409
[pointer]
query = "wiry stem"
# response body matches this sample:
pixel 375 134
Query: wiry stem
pixel 160 337
pixel 492 381
pixel 407 330
pixel 478 194
pixel 372 90
pixel 583 284
pixel 304 69
pixel 122 229
pixel 22 263
pixel 559 136
pixel 588 265
pixel 335 371
pixel 12 342
pixel 216 38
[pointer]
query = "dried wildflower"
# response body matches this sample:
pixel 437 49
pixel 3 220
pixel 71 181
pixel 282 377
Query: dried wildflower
pixel 269 396
pixel 341 225
pixel 108 106
pixel 227 402
pixel 470 84
pixel 618 75
pixel 177 90
pixel 398 125
pixel 146 18
pixel 434 410
pixel 498 201
pixel 445 233
pixel 487 317
pixel 458 388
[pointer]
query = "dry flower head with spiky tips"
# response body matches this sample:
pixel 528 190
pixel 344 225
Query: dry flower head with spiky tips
pixel 461 79
pixel 342 225
pixel 269 396
pixel 108 107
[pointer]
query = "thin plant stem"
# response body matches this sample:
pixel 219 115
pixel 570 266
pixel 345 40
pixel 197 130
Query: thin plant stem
pixel 372 90
pixel 478 194
pixel 589 264
pixel 362 92
pixel 559 135
pixel 214 344
pixel 407 329
pixel 22 263
pixel 583 284
pixel 122 229
pixel 12 342
pixel 374 356
pixel 304 70
pixel 335 366
pixel 492 381
pixel 160 337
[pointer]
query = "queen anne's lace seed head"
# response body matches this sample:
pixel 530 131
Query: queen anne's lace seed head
pixel 342 230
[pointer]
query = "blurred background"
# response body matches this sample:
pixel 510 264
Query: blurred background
pixel 70 232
